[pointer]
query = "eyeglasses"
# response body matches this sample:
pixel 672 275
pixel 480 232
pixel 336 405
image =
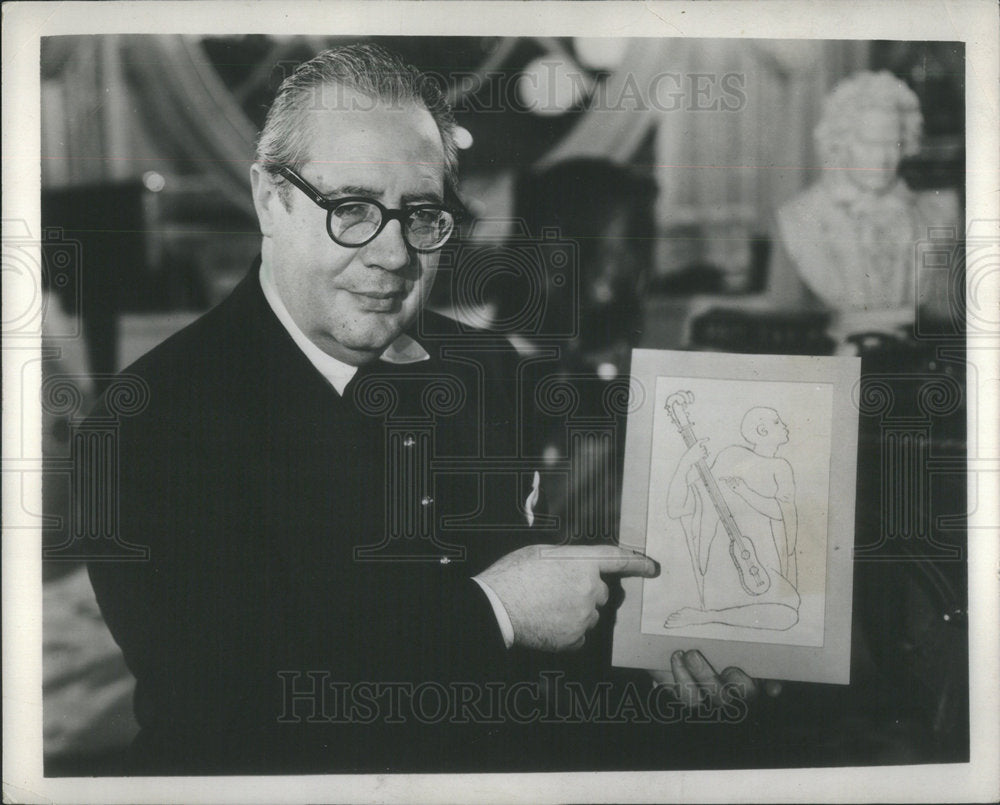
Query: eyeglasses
pixel 353 221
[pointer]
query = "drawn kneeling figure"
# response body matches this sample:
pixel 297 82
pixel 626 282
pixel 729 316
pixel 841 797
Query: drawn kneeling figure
pixel 740 522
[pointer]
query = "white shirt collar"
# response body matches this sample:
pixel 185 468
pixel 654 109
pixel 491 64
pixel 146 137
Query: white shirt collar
pixel 403 350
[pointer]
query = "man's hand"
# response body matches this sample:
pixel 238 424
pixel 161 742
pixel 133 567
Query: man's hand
pixel 693 455
pixel 552 594
pixel 694 680
pixel 738 485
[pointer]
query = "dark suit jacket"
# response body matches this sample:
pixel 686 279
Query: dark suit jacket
pixel 292 531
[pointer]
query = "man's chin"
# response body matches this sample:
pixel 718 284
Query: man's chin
pixel 378 305
pixel 375 339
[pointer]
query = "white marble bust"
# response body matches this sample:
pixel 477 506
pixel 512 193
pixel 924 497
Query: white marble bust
pixel 852 236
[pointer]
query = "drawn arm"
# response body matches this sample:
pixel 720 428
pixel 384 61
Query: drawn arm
pixel 680 501
pixel 785 497
pixel 769 507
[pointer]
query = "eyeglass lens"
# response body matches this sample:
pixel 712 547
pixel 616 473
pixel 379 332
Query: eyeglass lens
pixel 356 222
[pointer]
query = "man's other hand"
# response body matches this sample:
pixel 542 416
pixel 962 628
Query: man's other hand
pixel 553 593
pixel 694 681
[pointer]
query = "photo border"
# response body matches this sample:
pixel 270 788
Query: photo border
pixel 971 21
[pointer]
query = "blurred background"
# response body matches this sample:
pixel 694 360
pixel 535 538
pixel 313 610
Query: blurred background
pixel 663 198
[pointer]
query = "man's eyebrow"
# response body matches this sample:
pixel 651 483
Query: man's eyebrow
pixel 352 190
pixel 422 198
pixel 371 192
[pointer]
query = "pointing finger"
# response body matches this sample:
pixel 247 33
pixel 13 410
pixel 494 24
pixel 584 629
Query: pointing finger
pixel 608 558
pixel 624 562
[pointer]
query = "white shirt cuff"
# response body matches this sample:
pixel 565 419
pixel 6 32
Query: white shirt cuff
pixel 503 619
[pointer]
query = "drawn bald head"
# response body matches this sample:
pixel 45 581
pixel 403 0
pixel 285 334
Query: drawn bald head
pixel 763 427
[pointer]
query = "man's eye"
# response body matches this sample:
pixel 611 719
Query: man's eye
pixel 353 212
pixel 425 217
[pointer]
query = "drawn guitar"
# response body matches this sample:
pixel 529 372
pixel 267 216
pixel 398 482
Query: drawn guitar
pixel 752 575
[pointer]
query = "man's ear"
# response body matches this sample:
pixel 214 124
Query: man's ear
pixel 265 197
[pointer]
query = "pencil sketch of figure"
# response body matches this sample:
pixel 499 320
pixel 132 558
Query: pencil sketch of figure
pixel 740 523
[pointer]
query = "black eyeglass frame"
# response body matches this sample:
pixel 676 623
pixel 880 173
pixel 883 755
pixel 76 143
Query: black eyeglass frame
pixel 401 215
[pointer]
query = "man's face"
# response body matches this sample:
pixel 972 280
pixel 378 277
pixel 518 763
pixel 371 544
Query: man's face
pixel 354 302
pixel 873 154
pixel 779 429
pixel 771 431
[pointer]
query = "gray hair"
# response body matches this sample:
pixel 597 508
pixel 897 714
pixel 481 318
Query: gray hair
pixel 862 92
pixel 369 70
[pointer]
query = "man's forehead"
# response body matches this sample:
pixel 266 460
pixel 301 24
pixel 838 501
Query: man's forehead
pixel 366 142
pixel 345 112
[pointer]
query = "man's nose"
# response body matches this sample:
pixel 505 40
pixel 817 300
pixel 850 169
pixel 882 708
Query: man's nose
pixel 388 250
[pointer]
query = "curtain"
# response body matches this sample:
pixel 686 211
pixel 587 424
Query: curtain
pixel 742 163
pixel 114 107
pixel 620 115
pixel 723 172
pixel 80 90
pixel 190 114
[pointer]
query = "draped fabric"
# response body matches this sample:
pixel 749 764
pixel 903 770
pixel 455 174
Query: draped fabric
pixel 115 107
pixel 724 173
pixel 82 112
pixel 191 112
pixel 743 163
pixel 621 115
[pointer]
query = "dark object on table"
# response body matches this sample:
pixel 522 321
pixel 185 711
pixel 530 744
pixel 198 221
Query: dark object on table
pixel 761 333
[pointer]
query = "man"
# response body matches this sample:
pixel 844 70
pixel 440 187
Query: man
pixel 758 487
pixel 305 566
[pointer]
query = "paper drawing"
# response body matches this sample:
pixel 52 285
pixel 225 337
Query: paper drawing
pixel 738 516
pixel 738 495
pixel 740 481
